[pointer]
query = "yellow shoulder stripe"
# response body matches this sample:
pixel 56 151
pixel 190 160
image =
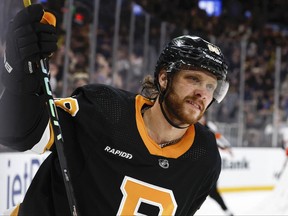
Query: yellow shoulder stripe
pixel 51 140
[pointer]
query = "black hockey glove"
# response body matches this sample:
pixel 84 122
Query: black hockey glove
pixel 27 41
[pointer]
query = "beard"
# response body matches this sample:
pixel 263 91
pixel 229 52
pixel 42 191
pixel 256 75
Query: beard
pixel 177 111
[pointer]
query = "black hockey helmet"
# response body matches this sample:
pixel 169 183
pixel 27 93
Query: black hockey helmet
pixel 190 52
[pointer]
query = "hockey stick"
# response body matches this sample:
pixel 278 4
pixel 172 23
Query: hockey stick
pixel 54 119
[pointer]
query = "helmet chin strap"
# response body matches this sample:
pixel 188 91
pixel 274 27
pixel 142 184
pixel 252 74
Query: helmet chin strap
pixel 168 120
pixel 162 94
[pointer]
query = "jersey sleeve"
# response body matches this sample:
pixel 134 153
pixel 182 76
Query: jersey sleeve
pixel 206 188
pixel 23 120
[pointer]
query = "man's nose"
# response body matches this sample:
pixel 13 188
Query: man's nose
pixel 201 92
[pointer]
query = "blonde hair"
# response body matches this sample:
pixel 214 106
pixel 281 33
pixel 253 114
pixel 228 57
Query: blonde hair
pixel 149 88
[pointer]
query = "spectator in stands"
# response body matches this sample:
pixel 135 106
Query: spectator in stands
pixel 80 79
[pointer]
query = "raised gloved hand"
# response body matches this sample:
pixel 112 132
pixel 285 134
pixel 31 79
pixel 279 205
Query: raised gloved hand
pixel 28 40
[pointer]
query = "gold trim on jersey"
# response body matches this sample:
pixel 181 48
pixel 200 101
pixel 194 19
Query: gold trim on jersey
pixel 68 104
pixel 15 211
pixel 51 140
pixel 172 151
pixel 46 140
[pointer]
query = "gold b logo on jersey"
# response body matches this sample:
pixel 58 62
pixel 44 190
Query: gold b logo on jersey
pixel 136 192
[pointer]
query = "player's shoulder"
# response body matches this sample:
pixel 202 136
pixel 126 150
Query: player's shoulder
pixel 101 91
pixel 202 129
pixel 204 134
pixel 95 89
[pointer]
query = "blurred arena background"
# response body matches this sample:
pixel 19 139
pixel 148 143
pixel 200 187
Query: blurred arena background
pixel 117 42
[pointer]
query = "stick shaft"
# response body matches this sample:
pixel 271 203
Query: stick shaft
pixel 58 138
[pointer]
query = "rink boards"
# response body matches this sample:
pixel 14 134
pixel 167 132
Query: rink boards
pixel 249 169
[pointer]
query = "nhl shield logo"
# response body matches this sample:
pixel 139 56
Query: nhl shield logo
pixel 163 163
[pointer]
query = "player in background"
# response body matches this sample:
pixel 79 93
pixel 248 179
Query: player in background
pixel 283 132
pixel 127 153
pixel 283 140
pixel 223 145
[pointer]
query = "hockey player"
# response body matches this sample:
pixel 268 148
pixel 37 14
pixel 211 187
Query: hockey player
pixel 127 154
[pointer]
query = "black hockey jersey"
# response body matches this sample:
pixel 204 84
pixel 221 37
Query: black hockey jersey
pixel 115 167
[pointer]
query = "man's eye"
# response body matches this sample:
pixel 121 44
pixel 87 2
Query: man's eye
pixel 196 79
pixel 210 87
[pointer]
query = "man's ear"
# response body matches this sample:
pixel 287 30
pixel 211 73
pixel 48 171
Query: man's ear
pixel 162 77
